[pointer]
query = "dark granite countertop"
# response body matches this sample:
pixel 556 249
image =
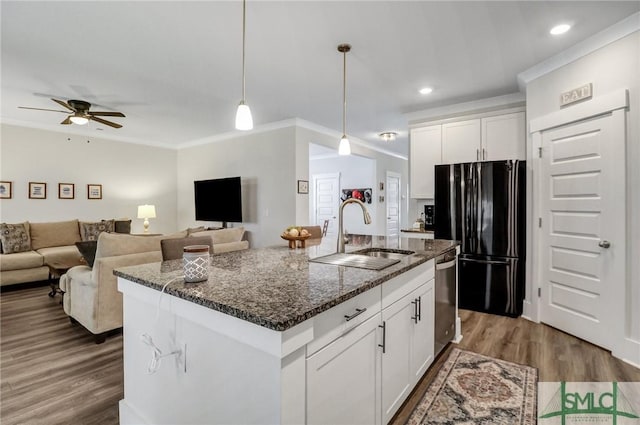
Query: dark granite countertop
pixel 278 287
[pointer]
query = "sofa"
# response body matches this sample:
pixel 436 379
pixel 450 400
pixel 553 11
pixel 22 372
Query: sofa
pixel 26 248
pixel 90 293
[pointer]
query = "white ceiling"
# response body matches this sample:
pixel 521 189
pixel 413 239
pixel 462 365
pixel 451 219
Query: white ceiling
pixel 174 68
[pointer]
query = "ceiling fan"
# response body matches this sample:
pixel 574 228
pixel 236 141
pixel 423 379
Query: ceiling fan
pixel 81 114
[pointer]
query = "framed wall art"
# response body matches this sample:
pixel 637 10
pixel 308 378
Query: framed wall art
pixel 303 186
pixel 363 195
pixel 37 190
pixel 94 191
pixel 6 190
pixel 66 191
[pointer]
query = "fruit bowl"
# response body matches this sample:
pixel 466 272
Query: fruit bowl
pixel 293 240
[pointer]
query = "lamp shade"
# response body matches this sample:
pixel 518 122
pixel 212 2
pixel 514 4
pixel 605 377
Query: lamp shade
pixel 344 148
pixel 146 211
pixel 244 121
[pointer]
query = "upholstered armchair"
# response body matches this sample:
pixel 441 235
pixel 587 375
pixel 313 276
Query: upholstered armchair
pixel 91 294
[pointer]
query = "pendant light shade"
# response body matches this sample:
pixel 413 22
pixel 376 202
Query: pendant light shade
pixel 344 148
pixel 244 121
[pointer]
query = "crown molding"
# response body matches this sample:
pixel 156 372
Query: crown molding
pixel 474 106
pixel 597 41
pixel 82 132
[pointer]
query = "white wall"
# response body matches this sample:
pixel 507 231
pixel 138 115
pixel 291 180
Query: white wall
pixel 266 162
pixel 383 163
pixel 356 172
pixel 130 175
pixel 612 67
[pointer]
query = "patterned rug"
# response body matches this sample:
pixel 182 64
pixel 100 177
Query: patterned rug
pixel 475 389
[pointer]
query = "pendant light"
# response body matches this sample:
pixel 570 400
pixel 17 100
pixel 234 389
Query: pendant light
pixel 244 121
pixel 344 148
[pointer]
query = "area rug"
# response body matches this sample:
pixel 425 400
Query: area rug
pixel 475 389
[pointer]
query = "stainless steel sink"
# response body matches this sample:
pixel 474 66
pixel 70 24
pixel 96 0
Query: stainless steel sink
pixel 370 258
pixel 396 254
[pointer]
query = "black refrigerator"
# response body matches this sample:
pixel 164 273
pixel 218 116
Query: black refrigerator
pixel 482 205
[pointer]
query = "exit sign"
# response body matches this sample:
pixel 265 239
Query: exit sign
pixel 576 95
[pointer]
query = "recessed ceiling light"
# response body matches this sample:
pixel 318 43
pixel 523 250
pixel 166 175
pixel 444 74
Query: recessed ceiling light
pixel 560 29
pixel 388 136
pixel 426 90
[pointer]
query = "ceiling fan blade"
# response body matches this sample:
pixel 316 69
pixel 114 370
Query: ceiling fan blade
pixel 41 109
pixel 60 102
pixel 105 122
pixel 66 121
pixel 106 114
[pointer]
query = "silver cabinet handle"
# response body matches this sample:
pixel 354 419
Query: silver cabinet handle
pixel 358 312
pixel 604 244
pixel 384 336
pixel 484 153
pixel 478 154
pixel 420 308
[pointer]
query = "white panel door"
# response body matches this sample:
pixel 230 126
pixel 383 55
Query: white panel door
pixel 582 236
pixel 461 141
pixel 327 200
pixel 393 206
pixel 343 381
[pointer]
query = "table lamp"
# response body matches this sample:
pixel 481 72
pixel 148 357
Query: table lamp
pixel 146 212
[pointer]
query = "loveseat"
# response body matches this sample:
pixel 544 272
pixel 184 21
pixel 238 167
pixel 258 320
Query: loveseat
pixel 39 244
pixel 90 294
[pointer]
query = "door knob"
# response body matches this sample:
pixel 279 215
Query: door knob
pixel 604 244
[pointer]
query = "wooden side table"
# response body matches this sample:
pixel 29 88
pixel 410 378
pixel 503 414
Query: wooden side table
pixel 56 270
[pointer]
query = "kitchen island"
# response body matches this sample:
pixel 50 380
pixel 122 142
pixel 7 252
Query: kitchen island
pixel 272 337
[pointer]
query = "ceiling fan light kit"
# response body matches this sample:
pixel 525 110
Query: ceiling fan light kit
pixel 344 148
pixel 244 120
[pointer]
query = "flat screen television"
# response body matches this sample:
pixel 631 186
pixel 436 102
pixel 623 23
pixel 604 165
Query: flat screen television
pixel 218 200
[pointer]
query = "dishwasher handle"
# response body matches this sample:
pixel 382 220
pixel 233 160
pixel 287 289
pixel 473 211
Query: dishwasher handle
pixel 447 265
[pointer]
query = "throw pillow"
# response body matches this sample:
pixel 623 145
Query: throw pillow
pixel 15 238
pixel 88 251
pixel 191 230
pixel 122 226
pixel 90 231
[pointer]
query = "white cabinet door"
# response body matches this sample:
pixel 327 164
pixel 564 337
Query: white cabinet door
pixel 425 151
pixel 504 137
pixel 461 141
pixel 422 337
pixel 343 379
pixel 396 372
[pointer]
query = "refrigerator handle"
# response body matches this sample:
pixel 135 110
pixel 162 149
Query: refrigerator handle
pixel 470 260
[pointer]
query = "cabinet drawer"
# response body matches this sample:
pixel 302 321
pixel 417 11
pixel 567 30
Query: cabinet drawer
pixel 333 323
pixel 398 287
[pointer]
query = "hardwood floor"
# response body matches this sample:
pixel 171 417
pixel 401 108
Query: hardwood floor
pixel 557 355
pixel 52 371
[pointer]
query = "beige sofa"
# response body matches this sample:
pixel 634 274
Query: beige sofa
pixel 91 295
pixel 49 243
pixel 225 240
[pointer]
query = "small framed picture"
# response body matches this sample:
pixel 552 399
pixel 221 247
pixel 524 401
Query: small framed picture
pixel 37 190
pixel 6 189
pixel 303 186
pixel 66 191
pixel 94 191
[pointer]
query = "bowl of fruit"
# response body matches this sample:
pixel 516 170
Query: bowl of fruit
pixel 296 235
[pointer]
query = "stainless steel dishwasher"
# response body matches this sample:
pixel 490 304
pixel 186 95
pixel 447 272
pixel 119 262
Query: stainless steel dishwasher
pixel 445 287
